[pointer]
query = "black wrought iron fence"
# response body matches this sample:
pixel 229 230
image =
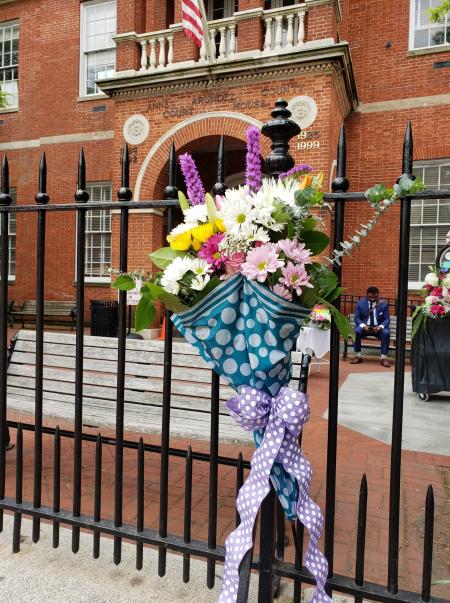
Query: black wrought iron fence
pixel 269 564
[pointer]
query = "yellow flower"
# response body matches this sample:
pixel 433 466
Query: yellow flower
pixel 203 232
pixel 306 181
pixel 219 225
pixel 181 241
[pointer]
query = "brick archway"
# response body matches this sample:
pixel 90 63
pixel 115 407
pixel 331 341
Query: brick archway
pixel 206 124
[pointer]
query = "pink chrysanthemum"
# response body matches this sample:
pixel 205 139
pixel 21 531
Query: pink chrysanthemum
pixel 282 291
pixel 260 262
pixel 295 277
pixel 294 251
pixel 234 262
pixel 210 251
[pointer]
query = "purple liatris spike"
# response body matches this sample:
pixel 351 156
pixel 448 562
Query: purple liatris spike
pixel 253 159
pixel 194 186
pixel 298 170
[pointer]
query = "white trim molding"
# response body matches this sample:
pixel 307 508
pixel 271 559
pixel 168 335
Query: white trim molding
pixel 201 117
pixel 417 102
pixel 63 138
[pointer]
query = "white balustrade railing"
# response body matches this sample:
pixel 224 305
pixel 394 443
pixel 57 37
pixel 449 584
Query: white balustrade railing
pixel 156 50
pixel 284 28
pixel 223 39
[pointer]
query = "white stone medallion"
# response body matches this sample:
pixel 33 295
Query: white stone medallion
pixel 136 129
pixel 304 110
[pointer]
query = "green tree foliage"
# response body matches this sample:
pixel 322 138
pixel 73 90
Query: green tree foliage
pixel 438 13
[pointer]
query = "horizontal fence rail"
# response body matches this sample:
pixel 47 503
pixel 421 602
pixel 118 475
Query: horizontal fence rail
pixel 268 561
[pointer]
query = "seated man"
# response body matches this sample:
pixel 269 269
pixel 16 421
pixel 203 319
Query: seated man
pixel 372 318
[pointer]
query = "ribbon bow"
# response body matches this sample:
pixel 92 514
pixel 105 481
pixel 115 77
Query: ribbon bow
pixel 283 417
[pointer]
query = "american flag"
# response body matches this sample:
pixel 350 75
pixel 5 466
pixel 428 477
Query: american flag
pixel 192 20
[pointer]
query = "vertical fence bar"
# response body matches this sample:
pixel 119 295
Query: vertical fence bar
pixel 5 199
pixel 280 129
pixel 187 513
pixel 239 482
pixel 297 526
pixel 399 376
pixel 42 200
pixel 123 194
pixel 170 192
pixel 213 476
pixel 19 487
pixel 220 187
pixel 339 185
pixel 428 545
pixel 56 483
pixel 97 494
pixel 81 196
pixel 361 537
pixel 266 549
pixel 140 503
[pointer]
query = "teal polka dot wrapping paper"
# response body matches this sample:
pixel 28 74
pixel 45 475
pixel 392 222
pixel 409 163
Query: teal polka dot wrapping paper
pixel 246 333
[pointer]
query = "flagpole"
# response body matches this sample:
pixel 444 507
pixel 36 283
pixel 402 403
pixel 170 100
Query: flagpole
pixel 206 39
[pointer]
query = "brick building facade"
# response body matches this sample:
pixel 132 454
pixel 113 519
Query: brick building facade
pixel 372 65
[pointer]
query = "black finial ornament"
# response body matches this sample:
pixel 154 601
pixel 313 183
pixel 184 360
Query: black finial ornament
pixel 41 196
pixel 124 193
pixel 408 153
pixel 81 196
pixel 280 129
pixel 220 187
pixel 5 197
pixel 341 184
pixel 171 190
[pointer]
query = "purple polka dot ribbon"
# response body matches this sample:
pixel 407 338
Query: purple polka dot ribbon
pixel 283 417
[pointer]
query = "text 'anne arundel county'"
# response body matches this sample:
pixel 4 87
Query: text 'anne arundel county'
pixel 216 99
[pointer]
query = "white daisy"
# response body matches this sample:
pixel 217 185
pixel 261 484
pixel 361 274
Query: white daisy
pixel 174 273
pixel 181 228
pixel 200 282
pixel 196 214
pixel 236 208
pixel 199 266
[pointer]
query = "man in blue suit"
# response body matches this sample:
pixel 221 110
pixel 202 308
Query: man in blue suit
pixel 372 318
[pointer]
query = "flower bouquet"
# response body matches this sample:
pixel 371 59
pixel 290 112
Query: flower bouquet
pixel 437 301
pixel 240 277
pixel 320 318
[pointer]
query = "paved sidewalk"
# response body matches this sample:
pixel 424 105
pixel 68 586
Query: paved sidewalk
pixel 357 454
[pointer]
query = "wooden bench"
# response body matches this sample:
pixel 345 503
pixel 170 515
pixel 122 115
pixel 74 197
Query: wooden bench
pixel 367 341
pixel 54 311
pixel 191 385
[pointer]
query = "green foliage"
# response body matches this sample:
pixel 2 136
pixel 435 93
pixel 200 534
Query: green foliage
pixel 340 320
pixel 438 13
pixel 309 197
pixel 406 187
pixel 184 203
pixel 378 193
pixel 3 99
pixel 145 313
pixel 124 282
pixel 164 256
pixel 419 321
pixel 315 240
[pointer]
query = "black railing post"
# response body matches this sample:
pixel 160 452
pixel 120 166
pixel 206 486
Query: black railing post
pixel 220 187
pixel 339 185
pixel 81 196
pixel 399 378
pixel 170 192
pixel 123 194
pixel 41 199
pixel 280 129
pixel 5 199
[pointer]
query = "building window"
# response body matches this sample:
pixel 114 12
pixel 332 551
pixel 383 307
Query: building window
pixel 98 50
pixel 12 239
pixel 9 62
pixel 430 221
pixel 98 234
pixel 424 33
